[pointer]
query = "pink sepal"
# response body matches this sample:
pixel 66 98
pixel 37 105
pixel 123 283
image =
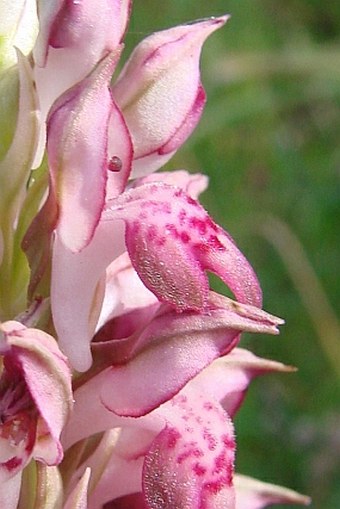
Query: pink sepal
pixel 183 344
pixel 89 29
pixel 160 93
pixel 77 147
pixel 228 377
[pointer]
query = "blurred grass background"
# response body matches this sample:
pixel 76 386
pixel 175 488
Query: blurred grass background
pixel 269 140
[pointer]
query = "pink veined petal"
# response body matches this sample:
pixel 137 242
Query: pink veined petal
pixel 78 156
pixel 191 462
pixel 160 93
pixel 171 241
pixel 52 395
pixel 178 347
pixel 82 274
pixel 254 494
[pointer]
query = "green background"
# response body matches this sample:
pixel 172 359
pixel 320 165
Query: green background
pixel 269 140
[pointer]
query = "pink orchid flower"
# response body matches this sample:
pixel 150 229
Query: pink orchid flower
pixel 182 452
pixel 35 401
pixel 165 229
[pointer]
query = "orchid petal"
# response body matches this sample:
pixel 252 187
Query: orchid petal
pixel 171 241
pixel 227 378
pixel 254 494
pixel 89 29
pixel 160 93
pixel 190 463
pixel 75 319
pixel 78 166
pixel 178 346
pixel 73 38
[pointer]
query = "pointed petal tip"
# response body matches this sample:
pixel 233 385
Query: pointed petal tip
pixel 251 491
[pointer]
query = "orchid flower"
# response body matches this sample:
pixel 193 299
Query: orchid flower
pixel 35 399
pixel 176 450
pixel 132 404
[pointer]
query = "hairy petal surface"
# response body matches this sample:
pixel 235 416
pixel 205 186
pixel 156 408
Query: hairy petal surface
pixel 160 93
pixel 191 462
pixel 171 241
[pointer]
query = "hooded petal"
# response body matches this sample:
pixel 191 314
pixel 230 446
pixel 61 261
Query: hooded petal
pixel 160 93
pixel 78 156
pixel 171 241
pixel 253 494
